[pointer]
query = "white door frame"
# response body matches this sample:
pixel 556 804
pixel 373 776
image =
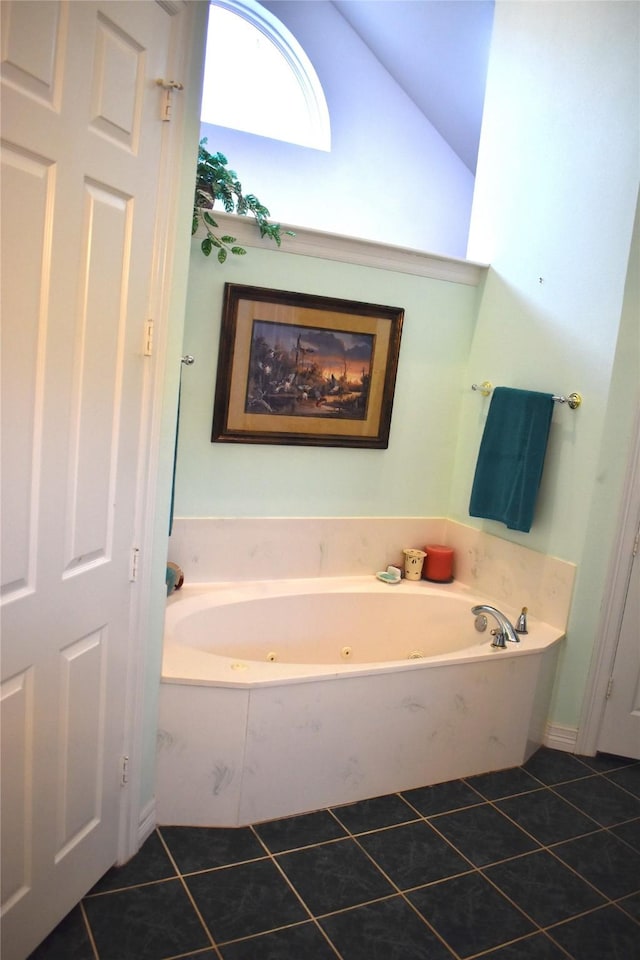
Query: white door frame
pixel 167 306
pixel 615 594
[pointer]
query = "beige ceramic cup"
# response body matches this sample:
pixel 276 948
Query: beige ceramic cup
pixel 413 560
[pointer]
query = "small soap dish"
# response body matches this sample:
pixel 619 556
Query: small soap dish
pixel 387 577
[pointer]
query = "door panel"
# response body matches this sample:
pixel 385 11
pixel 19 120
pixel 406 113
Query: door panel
pixel 16 717
pixel 82 142
pixel 118 85
pixel 27 192
pixel 33 37
pixel 620 731
pixel 96 399
pixel 82 711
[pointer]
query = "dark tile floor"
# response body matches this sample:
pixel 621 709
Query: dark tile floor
pixel 540 862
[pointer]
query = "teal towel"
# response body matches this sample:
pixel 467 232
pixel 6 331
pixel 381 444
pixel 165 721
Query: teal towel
pixel 511 457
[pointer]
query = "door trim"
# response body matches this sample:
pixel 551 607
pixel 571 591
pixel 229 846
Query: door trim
pixel 167 306
pixel 615 594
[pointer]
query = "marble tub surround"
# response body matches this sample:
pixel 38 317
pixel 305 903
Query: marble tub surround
pixel 274 548
pixel 271 548
pixel 512 574
pixel 264 715
pixel 254 754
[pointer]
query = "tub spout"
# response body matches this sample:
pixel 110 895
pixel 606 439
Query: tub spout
pixel 505 629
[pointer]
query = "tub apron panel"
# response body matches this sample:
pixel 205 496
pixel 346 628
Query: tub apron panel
pixel 241 742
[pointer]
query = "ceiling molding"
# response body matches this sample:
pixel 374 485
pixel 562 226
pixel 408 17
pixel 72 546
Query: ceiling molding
pixel 331 246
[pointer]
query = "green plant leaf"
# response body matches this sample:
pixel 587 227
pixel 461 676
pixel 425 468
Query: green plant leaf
pixel 215 181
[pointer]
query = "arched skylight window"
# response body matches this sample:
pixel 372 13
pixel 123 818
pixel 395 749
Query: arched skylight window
pixel 258 78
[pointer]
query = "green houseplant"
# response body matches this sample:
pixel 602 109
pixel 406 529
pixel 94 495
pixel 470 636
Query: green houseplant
pixel 215 181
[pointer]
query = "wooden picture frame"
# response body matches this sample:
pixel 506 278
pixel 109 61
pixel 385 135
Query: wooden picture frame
pixel 300 369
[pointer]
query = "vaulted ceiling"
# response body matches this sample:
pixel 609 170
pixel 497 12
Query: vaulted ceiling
pixel 437 51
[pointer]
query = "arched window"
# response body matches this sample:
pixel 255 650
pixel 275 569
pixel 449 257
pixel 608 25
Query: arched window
pixel 258 78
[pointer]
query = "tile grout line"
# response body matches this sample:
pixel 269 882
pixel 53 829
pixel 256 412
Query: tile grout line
pixel 539 929
pixel 546 931
pixel 585 913
pixel 289 883
pixel 200 951
pixel 516 941
pixel 611 783
pixel 87 925
pixel 553 926
pixel 548 849
pixel 479 871
pixel 400 892
pixel 540 846
pixel 405 898
pixel 397 890
pixel 286 926
pixel 185 887
pixel 129 886
pixel 600 828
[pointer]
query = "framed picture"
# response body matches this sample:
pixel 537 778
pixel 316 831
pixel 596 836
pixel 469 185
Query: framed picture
pixel 300 369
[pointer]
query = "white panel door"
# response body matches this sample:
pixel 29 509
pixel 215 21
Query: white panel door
pixel 81 146
pixel 620 731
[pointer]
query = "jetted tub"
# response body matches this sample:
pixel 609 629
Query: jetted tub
pixel 280 697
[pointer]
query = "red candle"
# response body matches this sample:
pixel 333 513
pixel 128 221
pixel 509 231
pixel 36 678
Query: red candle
pixel 438 564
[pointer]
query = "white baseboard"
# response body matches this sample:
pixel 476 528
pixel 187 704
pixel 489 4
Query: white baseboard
pixel 561 738
pixel 147 823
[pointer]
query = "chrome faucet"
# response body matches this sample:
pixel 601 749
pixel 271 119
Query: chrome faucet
pixel 506 630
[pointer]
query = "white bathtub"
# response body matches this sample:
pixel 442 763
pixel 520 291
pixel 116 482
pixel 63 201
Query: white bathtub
pixel 280 697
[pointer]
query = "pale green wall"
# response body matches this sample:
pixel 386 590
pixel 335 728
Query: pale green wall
pixel 556 195
pixel 411 478
pixel 555 199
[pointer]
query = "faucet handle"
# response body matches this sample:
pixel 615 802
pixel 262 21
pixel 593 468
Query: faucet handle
pixel 499 638
pixel 521 624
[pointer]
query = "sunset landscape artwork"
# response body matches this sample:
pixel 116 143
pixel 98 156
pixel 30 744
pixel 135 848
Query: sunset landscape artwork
pixel 309 371
pixel 297 368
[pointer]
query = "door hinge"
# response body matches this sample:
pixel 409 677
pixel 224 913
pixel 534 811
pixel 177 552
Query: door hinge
pixel 609 688
pixel 168 87
pixel 635 543
pixel 148 338
pixel 133 571
pixel 124 771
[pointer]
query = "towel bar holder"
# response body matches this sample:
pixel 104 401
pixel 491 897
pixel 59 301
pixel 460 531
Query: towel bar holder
pixel 484 388
pixel 573 400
